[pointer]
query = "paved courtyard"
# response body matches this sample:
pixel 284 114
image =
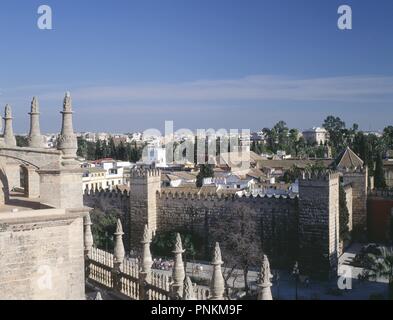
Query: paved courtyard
pixel 285 287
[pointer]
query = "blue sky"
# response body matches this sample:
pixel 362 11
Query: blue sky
pixel 131 65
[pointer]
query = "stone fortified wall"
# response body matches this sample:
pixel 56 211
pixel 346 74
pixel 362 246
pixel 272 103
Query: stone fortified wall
pixel 319 223
pixel 284 224
pixel 41 233
pixel 358 179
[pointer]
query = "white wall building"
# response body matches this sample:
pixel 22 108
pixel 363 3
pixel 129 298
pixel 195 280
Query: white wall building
pixel 154 155
pixel 316 135
pixel 105 174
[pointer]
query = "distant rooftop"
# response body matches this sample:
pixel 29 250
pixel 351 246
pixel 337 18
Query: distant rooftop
pixel 348 160
pixel 315 129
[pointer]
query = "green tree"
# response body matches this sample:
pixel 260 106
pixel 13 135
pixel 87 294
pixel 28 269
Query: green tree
pixel 236 231
pixel 163 243
pixel 343 215
pixel 21 141
pixel 387 138
pixel 361 146
pixel 254 147
pixel 380 266
pixel 98 150
pixel 103 228
pixel 82 148
pixel 379 176
pixel 293 139
pixel 91 151
pixel 335 127
pixel 121 152
pixel 205 171
pixel 105 149
pixel 112 149
pixel 316 168
pixel 292 174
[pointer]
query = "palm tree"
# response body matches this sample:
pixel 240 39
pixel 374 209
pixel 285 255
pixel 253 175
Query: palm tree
pixel 381 266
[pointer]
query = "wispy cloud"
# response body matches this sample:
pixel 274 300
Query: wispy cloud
pixel 250 88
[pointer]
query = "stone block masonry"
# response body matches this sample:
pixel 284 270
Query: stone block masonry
pixel 41 255
pixel 304 227
pixel 358 179
pixel 319 224
pixel 41 251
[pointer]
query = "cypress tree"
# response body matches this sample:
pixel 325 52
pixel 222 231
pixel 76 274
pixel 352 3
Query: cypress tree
pixel 343 214
pixel 379 176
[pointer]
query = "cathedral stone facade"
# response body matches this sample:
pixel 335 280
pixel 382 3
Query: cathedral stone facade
pixel 41 214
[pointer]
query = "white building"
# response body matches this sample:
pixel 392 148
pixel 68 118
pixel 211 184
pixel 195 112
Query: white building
pixel 104 174
pixel 153 155
pixel 316 135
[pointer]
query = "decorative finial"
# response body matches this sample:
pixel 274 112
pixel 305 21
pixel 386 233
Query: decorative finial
pixel 8 112
pixel 188 289
pixel 119 252
pixel 119 228
pixel 146 256
pixel 178 244
pixel 178 273
pixel 67 105
pixel 264 281
pixel 34 105
pixel 67 140
pixel 35 139
pixel 217 254
pixel 88 236
pixel 9 138
pixel 265 275
pixel 146 235
pixel 217 286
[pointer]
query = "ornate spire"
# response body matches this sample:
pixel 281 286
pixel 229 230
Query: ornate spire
pixel 34 106
pixel 88 236
pixel 119 252
pixel 188 290
pixel 217 259
pixel 217 287
pixel 67 104
pixel 146 235
pixel 146 257
pixel 67 140
pixel 178 273
pixel 9 138
pixel 35 138
pixel 178 244
pixel 264 281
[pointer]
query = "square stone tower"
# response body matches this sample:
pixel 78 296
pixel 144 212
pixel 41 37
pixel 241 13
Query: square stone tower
pixel 144 185
pixel 358 179
pixel 319 223
pixel 355 173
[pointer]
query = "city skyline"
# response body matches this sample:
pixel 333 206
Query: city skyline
pixel 131 66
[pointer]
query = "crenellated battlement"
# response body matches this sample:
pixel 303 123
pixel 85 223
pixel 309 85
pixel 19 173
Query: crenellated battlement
pixel 145 173
pixel 358 170
pixel 219 197
pixel 115 193
pixel 320 175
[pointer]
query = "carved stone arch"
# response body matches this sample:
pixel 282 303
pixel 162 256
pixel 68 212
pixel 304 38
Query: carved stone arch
pixel 22 161
pixel 19 173
pixel 4 187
